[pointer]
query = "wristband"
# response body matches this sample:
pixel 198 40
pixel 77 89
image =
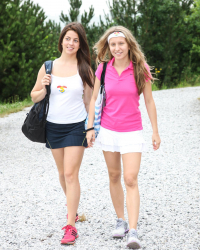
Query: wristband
pixel 89 129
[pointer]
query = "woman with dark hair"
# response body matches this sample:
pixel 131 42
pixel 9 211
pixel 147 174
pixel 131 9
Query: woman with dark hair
pixel 71 90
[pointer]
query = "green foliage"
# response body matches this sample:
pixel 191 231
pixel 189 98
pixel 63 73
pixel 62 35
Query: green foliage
pixel 193 22
pixel 161 30
pixel 73 12
pixel 26 41
pixel 168 32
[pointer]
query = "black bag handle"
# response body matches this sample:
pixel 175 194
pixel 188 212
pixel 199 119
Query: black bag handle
pixel 103 76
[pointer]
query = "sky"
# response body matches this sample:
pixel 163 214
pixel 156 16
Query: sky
pixel 53 8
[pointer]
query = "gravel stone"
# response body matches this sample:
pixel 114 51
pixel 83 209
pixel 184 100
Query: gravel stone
pixel 32 203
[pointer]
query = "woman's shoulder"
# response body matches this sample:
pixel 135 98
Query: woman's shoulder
pixel 100 66
pixel 99 70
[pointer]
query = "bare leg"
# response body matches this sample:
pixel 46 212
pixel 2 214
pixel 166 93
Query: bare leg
pixel 72 160
pixel 58 155
pixel 114 170
pixel 131 164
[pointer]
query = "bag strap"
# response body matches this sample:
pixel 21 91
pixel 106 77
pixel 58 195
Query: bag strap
pixel 103 76
pixel 48 69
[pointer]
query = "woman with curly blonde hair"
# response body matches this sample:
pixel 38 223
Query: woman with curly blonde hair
pixel 121 132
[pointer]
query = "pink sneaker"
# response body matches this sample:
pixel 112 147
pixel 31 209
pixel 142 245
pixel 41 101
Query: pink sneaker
pixel 70 235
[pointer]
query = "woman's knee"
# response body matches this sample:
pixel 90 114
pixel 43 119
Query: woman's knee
pixel 130 181
pixel 70 177
pixel 115 176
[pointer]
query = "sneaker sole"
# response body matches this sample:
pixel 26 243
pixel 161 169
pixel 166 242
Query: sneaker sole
pixel 120 236
pixel 70 242
pixel 133 245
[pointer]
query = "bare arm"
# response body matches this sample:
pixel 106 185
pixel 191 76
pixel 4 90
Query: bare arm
pixel 39 90
pixel 151 110
pixel 90 134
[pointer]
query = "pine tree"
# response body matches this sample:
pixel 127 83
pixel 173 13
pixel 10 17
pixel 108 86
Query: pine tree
pixel 26 41
pixel 73 12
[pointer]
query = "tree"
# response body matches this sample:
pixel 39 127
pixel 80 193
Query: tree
pixel 165 37
pixel 26 41
pixel 161 30
pixel 73 12
pixel 193 22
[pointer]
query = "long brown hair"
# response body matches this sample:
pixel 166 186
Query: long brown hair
pixel 135 54
pixel 83 54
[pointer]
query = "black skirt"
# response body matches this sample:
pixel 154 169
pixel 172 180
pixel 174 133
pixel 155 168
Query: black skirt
pixel 65 135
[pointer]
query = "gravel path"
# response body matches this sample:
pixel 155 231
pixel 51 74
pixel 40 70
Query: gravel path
pixel 32 204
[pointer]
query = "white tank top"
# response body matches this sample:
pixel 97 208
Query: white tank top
pixel 66 100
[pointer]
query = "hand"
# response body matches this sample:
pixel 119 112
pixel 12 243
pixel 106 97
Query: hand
pixel 156 141
pixel 46 81
pixel 90 138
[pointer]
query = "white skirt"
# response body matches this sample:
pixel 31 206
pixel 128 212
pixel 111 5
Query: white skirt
pixel 123 142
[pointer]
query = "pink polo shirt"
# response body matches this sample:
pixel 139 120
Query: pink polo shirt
pixel 121 112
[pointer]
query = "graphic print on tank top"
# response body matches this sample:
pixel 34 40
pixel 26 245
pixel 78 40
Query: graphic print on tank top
pixel 61 88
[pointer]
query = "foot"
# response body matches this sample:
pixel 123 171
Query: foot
pixel 76 219
pixel 132 240
pixel 70 235
pixel 121 229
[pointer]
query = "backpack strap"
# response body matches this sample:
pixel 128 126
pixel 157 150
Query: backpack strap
pixel 48 69
pixel 103 76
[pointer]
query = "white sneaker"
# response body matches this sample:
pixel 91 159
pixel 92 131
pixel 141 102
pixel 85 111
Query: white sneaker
pixel 121 229
pixel 132 240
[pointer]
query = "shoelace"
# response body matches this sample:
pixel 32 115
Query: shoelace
pixel 69 230
pixel 132 234
pixel 119 224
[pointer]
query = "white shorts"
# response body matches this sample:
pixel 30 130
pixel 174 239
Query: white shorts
pixel 123 142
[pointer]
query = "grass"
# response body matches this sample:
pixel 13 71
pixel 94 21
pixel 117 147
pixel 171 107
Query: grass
pixel 183 84
pixel 14 106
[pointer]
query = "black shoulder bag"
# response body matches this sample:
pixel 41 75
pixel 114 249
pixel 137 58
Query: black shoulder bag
pixel 34 124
